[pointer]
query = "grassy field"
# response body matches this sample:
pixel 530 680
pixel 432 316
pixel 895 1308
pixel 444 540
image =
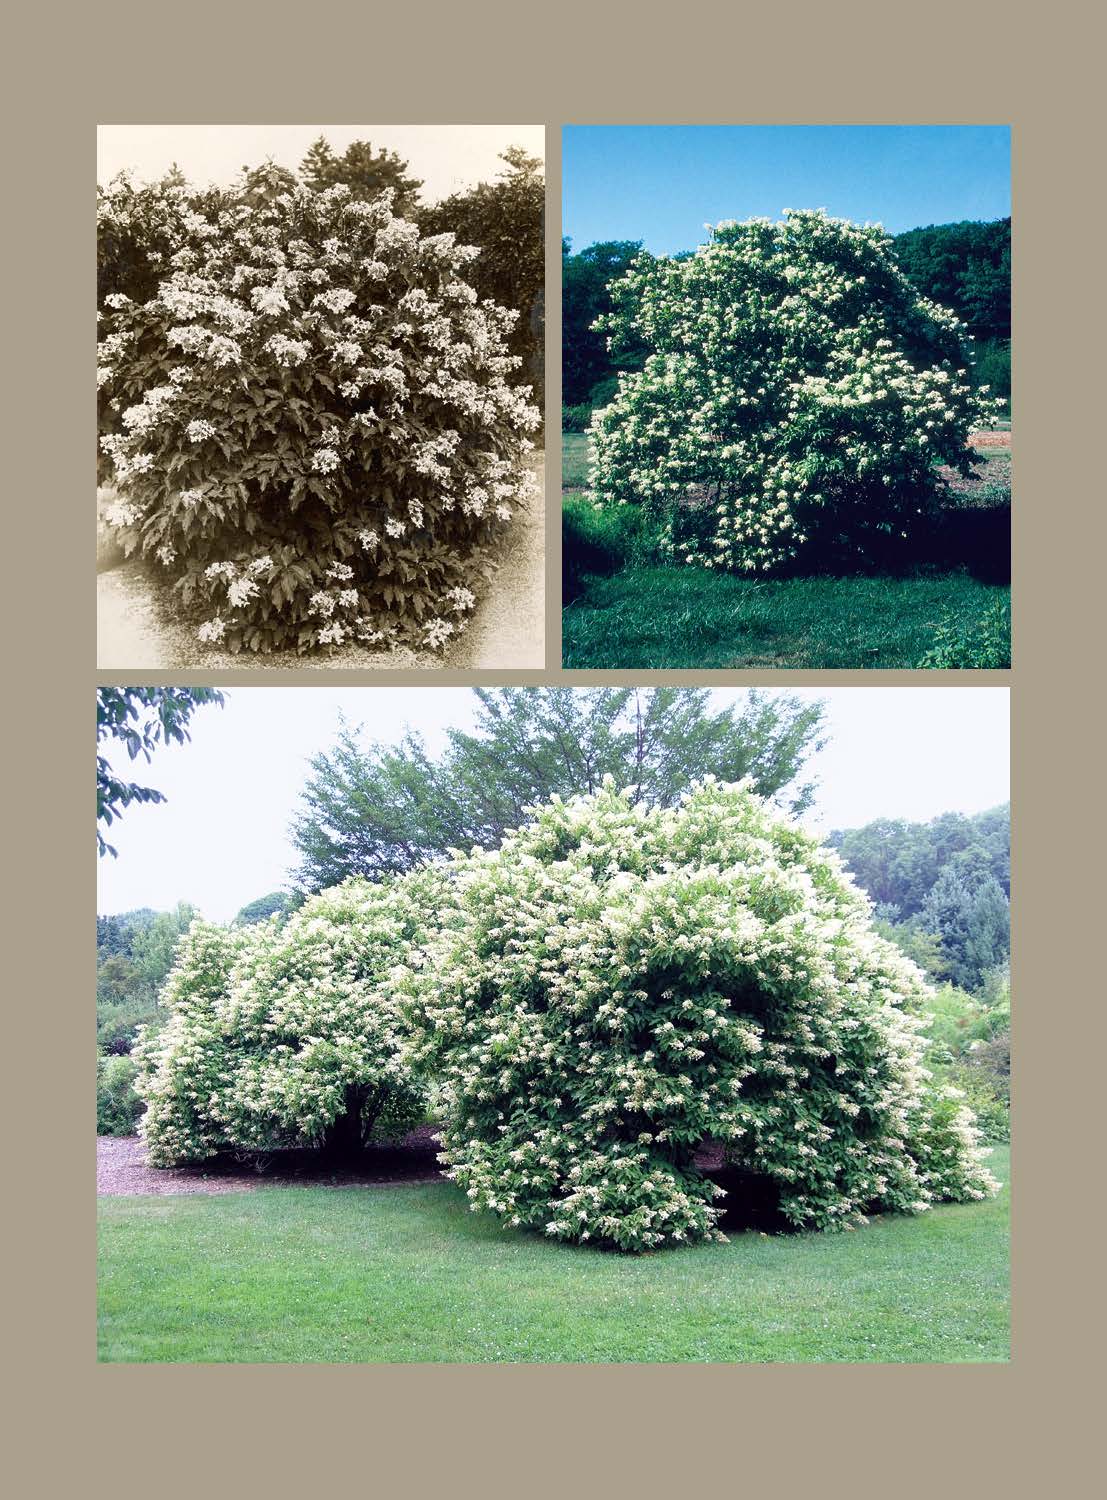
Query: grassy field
pixel 408 1274
pixel 671 618
pixel 643 616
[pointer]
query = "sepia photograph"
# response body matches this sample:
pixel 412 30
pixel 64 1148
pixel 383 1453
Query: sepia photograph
pixel 320 376
pixel 786 396
pixel 553 1024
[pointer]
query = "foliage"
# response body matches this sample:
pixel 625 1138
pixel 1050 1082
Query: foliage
pixel 797 399
pixel 914 942
pixel 505 219
pixel 385 809
pixel 585 279
pixel 118 1106
pixel 275 904
pixel 598 541
pixel 971 914
pixel 981 644
pixel 969 1046
pixel 992 367
pixel 140 718
pixel 134 953
pixel 319 439
pixel 114 934
pixel 283 1035
pixel 621 983
pixel 898 862
pixel 576 418
pixel 367 174
pixel 966 267
pixel 223 1277
pixel 665 618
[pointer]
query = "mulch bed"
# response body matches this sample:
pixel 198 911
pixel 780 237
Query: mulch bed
pixel 122 1171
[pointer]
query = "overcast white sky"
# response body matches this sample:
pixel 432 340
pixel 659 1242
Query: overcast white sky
pixel 448 158
pixel 221 838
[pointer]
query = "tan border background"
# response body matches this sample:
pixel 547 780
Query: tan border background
pixel 585 1430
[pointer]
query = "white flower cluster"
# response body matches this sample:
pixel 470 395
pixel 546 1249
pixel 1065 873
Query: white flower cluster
pixel 621 985
pixel 320 376
pixel 276 1031
pixel 797 381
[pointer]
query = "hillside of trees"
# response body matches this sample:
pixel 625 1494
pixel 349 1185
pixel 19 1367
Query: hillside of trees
pixel 941 889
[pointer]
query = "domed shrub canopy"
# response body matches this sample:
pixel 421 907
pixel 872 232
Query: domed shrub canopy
pixel 799 393
pixel 318 439
pixel 286 1035
pixel 619 985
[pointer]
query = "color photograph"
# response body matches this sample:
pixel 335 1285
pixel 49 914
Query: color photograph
pixel 786 387
pixel 553 1025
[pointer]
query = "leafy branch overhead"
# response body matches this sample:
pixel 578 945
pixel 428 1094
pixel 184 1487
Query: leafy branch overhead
pixel 138 720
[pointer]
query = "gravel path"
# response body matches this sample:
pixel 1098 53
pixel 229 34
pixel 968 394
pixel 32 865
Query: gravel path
pixel 121 1169
pixel 135 628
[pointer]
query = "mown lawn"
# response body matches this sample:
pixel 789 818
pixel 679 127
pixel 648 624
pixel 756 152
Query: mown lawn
pixel 671 618
pixel 408 1274
pixel 668 618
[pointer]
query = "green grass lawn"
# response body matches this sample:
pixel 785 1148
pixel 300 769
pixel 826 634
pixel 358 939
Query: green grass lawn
pixel 671 618
pixel 574 460
pixel 640 615
pixel 409 1274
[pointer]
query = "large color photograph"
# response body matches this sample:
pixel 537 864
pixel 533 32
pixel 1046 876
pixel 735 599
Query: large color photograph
pixel 552 1024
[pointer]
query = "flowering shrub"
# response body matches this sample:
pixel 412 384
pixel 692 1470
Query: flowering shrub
pixel 285 1034
pixel 618 985
pixel 317 440
pixel 798 390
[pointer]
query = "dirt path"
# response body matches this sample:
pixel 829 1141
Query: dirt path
pixel 507 631
pixel 121 1169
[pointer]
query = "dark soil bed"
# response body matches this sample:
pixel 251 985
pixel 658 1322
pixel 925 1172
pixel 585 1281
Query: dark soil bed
pixel 122 1171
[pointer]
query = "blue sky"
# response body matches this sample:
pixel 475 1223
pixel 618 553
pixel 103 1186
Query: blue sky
pixel 221 839
pixel 662 183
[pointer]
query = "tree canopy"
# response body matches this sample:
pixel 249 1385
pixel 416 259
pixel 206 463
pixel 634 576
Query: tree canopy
pixel 139 719
pixel 505 219
pixel 371 809
pixel 367 173
pixel 585 281
pixel 965 266
pixel 897 862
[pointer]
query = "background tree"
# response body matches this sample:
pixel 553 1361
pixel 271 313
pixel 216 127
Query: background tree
pixel 971 917
pixel 134 954
pixel 375 810
pixel 506 219
pixel 265 184
pixel 586 361
pixel 967 267
pixel 897 862
pixel 367 173
pixel 140 719
pixel 276 903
